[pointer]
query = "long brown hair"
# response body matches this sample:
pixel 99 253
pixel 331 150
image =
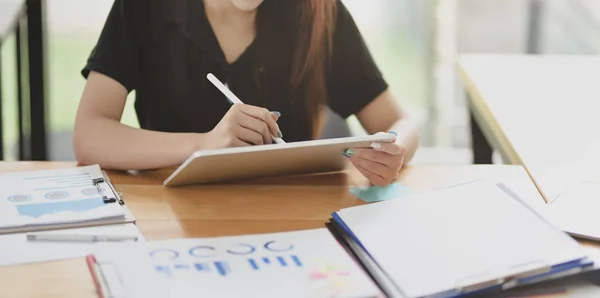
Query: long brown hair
pixel 295 41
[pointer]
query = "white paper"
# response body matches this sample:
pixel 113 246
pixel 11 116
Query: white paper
pixel 295 264
pixel 50 197
pixel 581 167
pixel 576 210
pixel 437 241
pixel 15 249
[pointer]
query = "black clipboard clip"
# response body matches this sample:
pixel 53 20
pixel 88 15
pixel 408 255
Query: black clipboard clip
pixel 106 199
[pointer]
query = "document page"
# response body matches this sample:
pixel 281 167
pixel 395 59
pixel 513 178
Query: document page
pixel 54 196
pixel 307 263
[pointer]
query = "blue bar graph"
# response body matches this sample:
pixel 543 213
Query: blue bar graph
pixel 223 268
pixel 297 261
pixel 182 266
pixel 282 261
pixel 253 263
pixel 202 267
pixel 164 270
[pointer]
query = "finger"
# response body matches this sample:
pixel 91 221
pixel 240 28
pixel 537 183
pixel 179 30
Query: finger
pixel 249 136
pixel 374 156
pixel 393 162
pixel 389 148
pixel 264 115
pixel 385 172
pixel 374 178
pixel 256 125
pixel 381 133
pixel 275 115
pixel 240 143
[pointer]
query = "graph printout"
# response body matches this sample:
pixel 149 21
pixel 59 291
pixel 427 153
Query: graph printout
pixel 308 263
pixel 54 196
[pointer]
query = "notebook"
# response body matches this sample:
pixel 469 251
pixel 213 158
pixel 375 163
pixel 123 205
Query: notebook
pixel 309 263
pixel 55 199
pixel 466 239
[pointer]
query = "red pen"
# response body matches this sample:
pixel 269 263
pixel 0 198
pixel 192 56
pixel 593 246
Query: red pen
pixel 91 262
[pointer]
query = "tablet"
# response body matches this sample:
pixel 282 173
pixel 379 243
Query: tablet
pixel 292 158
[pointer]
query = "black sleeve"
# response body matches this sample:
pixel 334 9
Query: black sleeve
pixel 116 53
pixel 353 78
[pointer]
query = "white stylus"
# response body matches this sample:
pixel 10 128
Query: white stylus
pixel 234 99
pixel 79 237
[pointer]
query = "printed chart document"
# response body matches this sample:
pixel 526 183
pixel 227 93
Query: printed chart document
pixel 307 263
pixel 16 249
pixel 57 198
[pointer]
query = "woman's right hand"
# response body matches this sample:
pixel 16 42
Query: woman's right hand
pixel 243 125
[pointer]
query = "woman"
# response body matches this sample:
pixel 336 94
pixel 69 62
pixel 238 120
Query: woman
pixel 287 60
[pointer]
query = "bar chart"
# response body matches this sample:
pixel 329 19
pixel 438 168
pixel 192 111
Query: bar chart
pixel 270 262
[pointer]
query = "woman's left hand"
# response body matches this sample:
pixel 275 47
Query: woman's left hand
pixel 380 164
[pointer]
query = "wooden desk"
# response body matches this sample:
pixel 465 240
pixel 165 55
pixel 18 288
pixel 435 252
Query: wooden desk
pixel 537 111
pixel 252 206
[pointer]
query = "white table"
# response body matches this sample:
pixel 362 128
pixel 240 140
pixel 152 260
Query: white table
pixel 542 112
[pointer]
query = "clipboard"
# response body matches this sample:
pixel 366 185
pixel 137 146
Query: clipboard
pixel 295 158
pixel 99 182
pixel 566 259
pixel 379 277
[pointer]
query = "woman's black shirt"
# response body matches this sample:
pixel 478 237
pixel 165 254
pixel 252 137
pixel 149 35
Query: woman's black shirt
pixel 163 49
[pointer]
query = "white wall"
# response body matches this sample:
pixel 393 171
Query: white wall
pixel 77 17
